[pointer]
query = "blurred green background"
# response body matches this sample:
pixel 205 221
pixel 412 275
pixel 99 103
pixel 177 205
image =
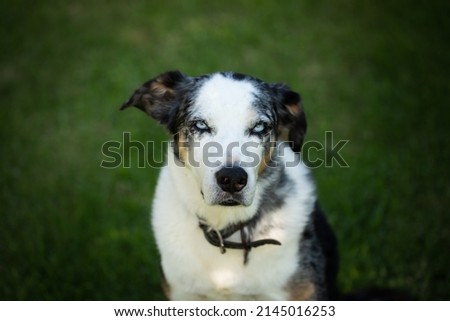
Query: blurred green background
pixel 373 72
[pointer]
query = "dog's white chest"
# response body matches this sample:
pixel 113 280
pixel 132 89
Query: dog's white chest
pixel 198 270
pixel 217 276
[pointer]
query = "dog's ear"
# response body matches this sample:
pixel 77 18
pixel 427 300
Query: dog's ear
pixel 159 97
pixel 291 116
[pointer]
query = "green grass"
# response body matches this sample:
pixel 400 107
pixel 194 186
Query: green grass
pixel 375 73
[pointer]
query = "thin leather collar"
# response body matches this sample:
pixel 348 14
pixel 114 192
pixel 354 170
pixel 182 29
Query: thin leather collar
pixel 218 238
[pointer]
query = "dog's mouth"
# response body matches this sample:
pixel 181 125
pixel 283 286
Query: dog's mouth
pixel 227 199
pixel 230 202
pixel 233 200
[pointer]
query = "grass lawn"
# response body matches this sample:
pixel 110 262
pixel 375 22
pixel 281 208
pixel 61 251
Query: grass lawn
pixel 374 73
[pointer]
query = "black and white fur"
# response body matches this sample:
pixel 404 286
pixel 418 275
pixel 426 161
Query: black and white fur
pixel 249 227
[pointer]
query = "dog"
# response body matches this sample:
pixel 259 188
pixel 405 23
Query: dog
pixel 235 213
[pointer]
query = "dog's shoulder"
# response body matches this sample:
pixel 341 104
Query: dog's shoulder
pixel 318 266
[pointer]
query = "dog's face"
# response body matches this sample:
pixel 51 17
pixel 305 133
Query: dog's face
pixel 225 127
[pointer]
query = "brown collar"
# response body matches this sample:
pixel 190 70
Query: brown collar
pixel 218 238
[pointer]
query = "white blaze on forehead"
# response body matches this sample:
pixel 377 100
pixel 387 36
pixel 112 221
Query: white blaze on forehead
pixel 221 98
pixel 226 104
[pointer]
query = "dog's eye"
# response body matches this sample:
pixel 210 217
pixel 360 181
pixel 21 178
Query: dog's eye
pixel 201 125
pixel 259 129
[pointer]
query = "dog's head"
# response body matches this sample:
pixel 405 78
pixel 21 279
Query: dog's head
pixel 225 127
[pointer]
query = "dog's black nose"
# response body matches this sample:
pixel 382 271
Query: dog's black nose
pixel 231 179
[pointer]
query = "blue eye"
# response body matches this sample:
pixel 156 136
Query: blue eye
pixel 259 129
pixel 201 125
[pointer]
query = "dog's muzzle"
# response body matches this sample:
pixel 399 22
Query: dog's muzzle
pixel 231 181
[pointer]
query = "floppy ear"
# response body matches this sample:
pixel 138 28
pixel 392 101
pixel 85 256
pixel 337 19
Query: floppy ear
pixel 159 97
pixel 291 116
